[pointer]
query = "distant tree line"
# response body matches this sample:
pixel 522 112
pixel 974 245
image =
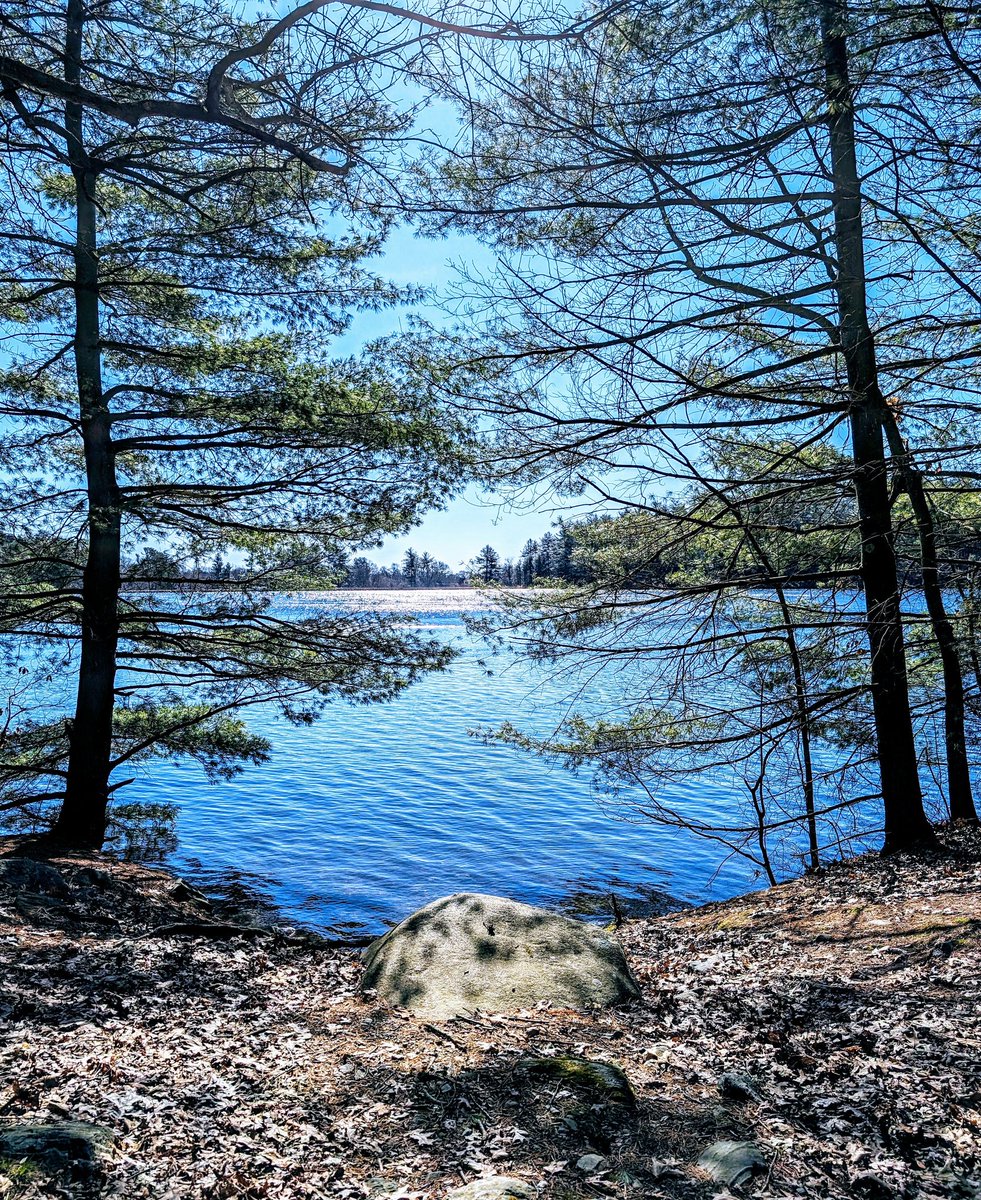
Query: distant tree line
pixel 646 549
pixel 414 571
pixel 551 558
pixel 560 555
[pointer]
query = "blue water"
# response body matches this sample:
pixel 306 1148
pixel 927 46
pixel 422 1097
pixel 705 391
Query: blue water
pixel 375 810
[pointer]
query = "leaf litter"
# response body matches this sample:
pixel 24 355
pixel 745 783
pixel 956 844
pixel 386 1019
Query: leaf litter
pixel 831 1025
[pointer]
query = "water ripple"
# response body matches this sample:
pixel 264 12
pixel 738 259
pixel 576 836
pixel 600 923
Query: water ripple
pixel 376 810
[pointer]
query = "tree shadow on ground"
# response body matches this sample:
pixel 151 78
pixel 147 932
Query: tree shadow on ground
pixel 499 1116
pixel 90 944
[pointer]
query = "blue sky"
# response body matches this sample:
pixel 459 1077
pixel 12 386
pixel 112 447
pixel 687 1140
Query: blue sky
pixel 477 518
pixel 465 525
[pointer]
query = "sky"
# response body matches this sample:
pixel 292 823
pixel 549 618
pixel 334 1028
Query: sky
pixel 468 523
pixel 476 518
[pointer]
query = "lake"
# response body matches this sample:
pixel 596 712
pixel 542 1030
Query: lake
pixel 375 810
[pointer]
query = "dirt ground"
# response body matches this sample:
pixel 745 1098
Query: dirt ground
pixel 833 1022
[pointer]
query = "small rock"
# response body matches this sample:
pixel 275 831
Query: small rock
pixel 183 892
pixel 56 1142
pixel 26 875
pixel 871 1187
pixel 737 1085
pixel 93 877
pixel 704 965
pixel 732 1163
pixel 600 1077
pixel 494 1187
pixel 591 1163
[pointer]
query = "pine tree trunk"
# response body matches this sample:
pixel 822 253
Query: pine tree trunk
pixel 955 737
pixel 82 821
pixel 906 824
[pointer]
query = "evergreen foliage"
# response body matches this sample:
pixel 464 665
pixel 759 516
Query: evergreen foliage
pixel 747 224
pixel 168 293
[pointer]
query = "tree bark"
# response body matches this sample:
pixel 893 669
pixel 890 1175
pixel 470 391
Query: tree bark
pixel 955 738
pixel 906 824
pixel 82 821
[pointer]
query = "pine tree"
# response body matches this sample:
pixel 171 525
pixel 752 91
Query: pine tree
pixel 527 563
pixel 162 269
pixel 711 192
pixel 410 567
pixel 486 565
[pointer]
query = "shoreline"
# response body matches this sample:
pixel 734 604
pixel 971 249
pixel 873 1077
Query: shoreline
pixel 831 1022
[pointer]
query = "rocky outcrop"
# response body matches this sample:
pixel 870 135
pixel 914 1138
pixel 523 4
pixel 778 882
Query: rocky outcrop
pixel 470 952
pixel 28 875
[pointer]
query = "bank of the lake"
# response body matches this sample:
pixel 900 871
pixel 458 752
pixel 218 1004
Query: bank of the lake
pixel 831 1023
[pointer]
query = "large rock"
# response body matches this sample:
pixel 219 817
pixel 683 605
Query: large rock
pixel 469 952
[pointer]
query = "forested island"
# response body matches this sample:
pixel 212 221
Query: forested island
pixel 638 858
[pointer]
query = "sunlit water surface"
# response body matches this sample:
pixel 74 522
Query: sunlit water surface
pixel 375 810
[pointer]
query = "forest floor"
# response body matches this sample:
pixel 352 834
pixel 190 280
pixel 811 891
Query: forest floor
pixel 834 1022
